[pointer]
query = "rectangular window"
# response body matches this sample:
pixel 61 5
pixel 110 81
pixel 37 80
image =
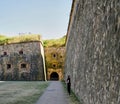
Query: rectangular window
pixel 4 53
pixel 8 66
pixel 23 65
pixel 20 52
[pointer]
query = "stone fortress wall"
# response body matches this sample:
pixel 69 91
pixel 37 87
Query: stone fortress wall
pixel 93 51
pixel 22 61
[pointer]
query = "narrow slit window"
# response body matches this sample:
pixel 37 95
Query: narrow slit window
pixel 54 55
pixel 54 65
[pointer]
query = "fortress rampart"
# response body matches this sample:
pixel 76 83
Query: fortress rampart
pixel 93 51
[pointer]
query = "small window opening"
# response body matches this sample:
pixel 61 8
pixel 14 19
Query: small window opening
pixel 54 65
pixel 4 53
pixel 20 52
pixel 23 65
pixel 8 66
pixel 54 55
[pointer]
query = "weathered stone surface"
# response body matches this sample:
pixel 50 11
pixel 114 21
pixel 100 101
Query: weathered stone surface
pixel 54 62
pixel 93 51
pixel 22 61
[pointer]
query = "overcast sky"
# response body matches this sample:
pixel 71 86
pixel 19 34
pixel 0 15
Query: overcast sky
pixel 46 17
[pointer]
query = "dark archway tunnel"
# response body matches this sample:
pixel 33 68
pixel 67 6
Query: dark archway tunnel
pixel 54 76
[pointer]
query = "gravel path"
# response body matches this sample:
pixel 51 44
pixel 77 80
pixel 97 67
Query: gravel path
pixel 54 94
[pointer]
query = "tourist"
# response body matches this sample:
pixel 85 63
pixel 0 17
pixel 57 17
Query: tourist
pixel 68 84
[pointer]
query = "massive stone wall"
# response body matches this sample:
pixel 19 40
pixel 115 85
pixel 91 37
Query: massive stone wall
pixel 93 51
pixel 22 61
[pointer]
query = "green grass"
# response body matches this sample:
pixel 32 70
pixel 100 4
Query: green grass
pixel 3 39
pixel 32 37
pixel 72 98
pixel 21 92
pixel 19 39
pixel 54 42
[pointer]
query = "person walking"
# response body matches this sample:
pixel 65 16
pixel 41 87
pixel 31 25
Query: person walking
pixel 69 84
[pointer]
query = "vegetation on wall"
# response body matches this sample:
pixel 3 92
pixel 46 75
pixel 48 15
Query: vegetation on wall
pixel 19 39
pixel 32 37
pixel 55 42
pixel 3 39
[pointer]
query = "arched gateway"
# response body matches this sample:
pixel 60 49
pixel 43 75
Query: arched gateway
pixel 54 76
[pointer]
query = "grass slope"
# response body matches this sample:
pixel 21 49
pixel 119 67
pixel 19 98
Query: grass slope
pixel 3 39
pixel 22 92
pixel 19 39
pixel 55 42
